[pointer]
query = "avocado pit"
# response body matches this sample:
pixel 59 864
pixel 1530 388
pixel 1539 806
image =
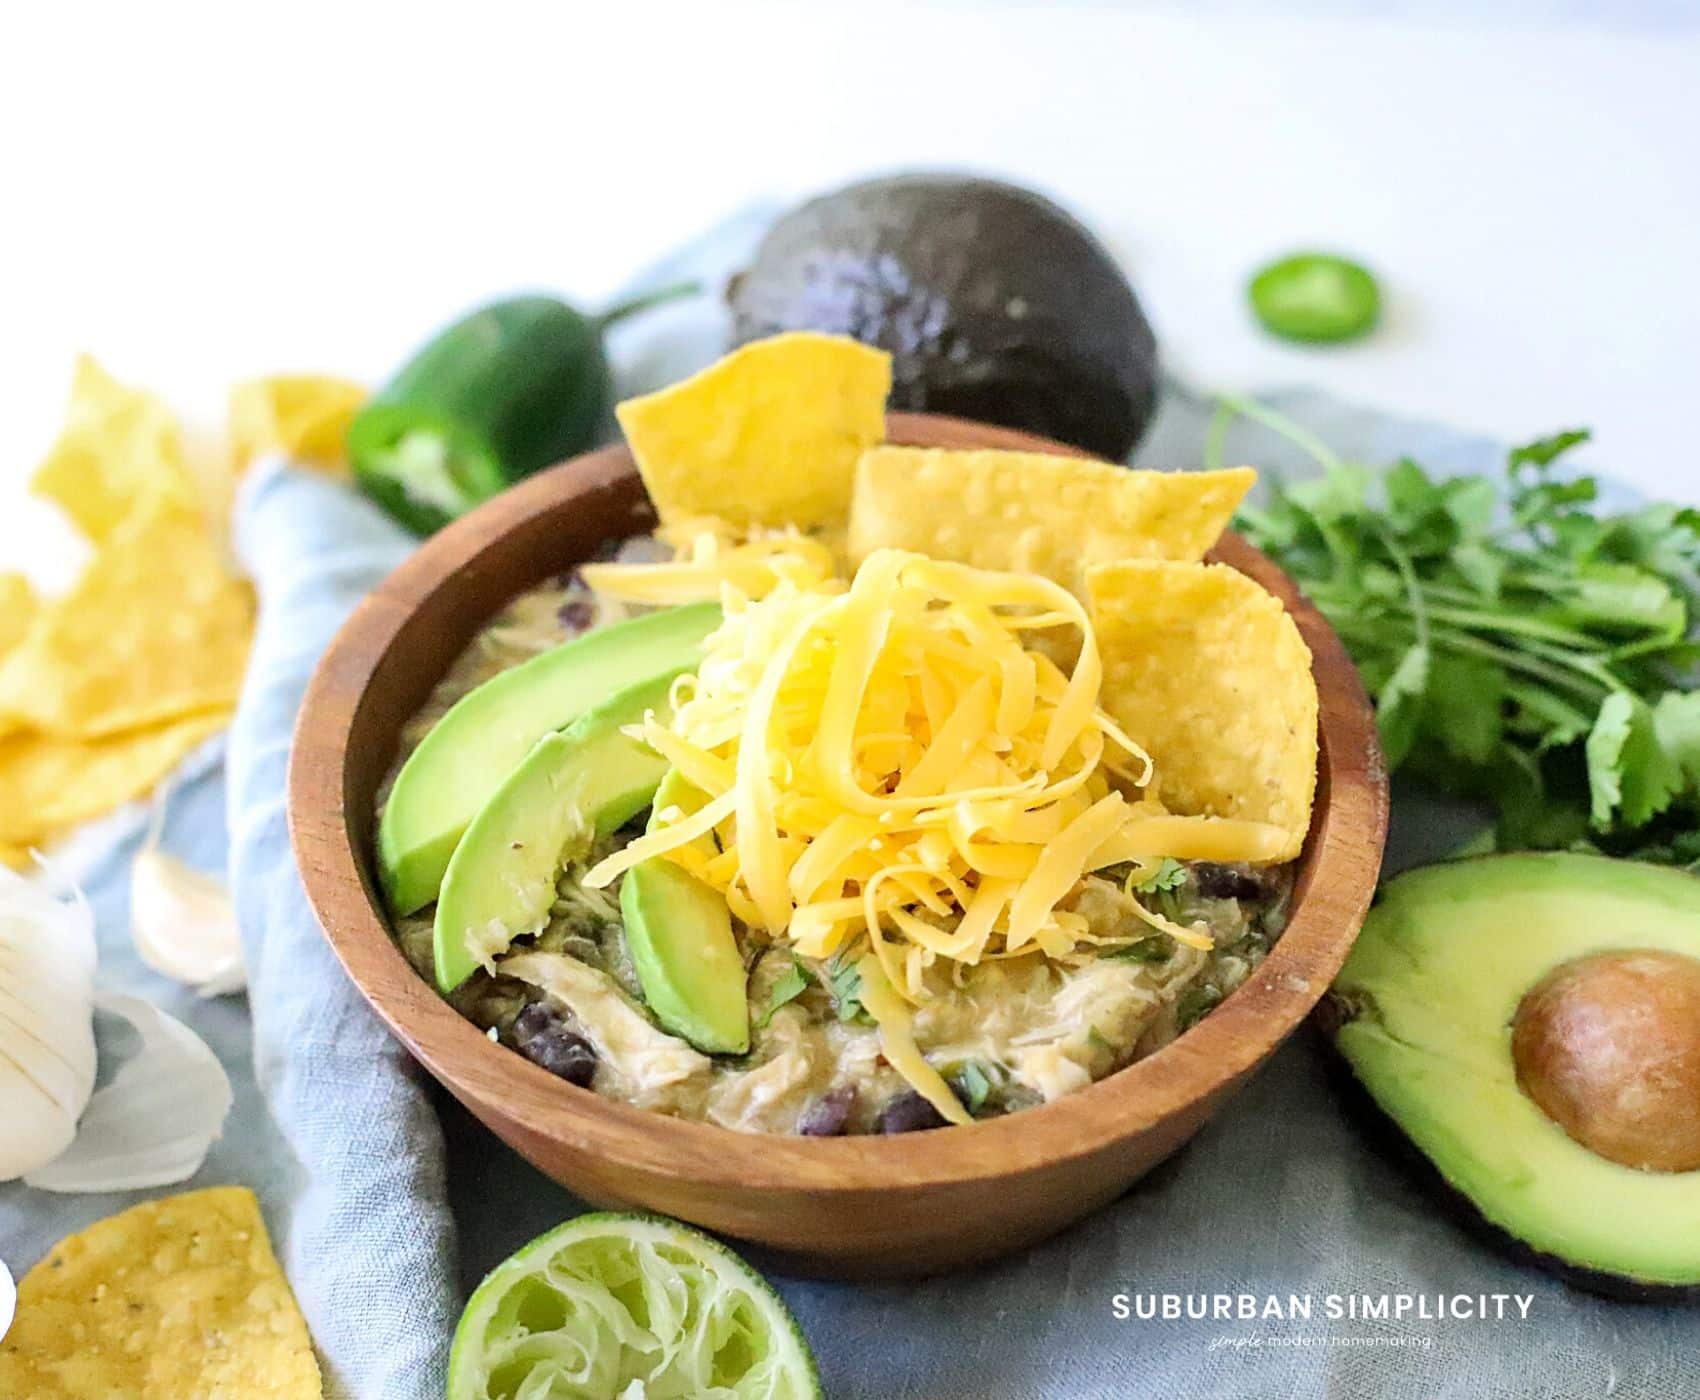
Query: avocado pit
pixel 1608 1047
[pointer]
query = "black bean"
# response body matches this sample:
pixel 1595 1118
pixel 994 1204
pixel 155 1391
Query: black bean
pixel 540 1034
pixel 576 614
pixel 1225 882
pixel 908 1112
pixel 828 1115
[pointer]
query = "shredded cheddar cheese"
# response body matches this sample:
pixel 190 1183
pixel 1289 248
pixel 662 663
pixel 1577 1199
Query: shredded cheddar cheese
pixel 708 556
pixel 890 769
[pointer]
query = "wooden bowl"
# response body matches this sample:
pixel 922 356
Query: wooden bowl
pixel 851 1207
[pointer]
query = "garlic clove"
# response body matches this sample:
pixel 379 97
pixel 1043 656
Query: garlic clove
pixel 184 925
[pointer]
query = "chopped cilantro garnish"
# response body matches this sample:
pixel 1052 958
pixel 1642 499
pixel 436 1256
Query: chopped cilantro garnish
pixel 972 1085
pixel 787 987
pixel 1194 1004
pixel 1169 875
pixel 1159 947
pixel 845 980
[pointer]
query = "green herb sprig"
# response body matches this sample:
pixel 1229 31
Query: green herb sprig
pixel 844 979
pixel 787 987
pixel 1169 875
pixel 1522 647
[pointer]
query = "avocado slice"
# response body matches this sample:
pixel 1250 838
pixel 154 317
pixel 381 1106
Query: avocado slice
pixel 450 776
pixel 582 782
pixel 1429 1013
pixel 679 932
pixel 994 303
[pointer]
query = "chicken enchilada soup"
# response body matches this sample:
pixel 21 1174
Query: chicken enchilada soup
pixel 879 789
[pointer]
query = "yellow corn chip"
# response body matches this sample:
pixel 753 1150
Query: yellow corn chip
pixel 305 416
pixel 1208 673
pixel 18 607
pixel 48 784
pixel 119 448
pixel 1033 512
pixel 172 1299
pixel 767 436
pixel 18 857
pixel 154 629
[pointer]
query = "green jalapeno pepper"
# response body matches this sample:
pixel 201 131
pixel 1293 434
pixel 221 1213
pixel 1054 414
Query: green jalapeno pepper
pixel 1318 298
pixel 513 387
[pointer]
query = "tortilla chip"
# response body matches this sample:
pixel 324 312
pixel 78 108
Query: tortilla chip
pixel 48 784
pixel 153 630
pixel 1208 673
pixel 17 857
pixel 304 416
pixel 170 1299
pixel 767 436
pixel 119 448
pixel 18 608
pixel 1034 512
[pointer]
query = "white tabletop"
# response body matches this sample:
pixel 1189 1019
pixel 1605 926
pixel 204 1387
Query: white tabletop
pixel 201 195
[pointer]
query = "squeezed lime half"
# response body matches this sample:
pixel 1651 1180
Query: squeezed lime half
pixel 612 1306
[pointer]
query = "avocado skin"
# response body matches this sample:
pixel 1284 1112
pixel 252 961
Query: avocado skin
pixel 993 303
pixel 1384 1132
pixel 1389 1139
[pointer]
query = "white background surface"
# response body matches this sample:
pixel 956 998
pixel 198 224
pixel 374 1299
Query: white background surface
pixel 200 193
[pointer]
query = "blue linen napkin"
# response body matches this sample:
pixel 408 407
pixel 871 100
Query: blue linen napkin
pixel 363 1218
pixel 384 1218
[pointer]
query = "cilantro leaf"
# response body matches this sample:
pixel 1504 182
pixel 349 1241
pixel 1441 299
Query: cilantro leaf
pixel 1628 768
pixel 1622 598
pixel 1465 706
pixel 787 987
pixel 1543 452
pixel 1399 705
pixel 972 1084
pixel 845 980
pixel 1157 948
pixel 1676 723
pixel 1481 569
pixel 1169 875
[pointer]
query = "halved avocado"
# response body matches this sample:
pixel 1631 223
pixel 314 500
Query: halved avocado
pixel 585 781
pixel 1531 1024
pixel 478 743
pixel 679 932
pixel 993 303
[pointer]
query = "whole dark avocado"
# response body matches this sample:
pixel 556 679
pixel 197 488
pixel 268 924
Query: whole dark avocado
pixel 994 304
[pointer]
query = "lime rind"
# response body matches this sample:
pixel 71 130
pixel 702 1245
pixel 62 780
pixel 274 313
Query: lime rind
pixel 636 1307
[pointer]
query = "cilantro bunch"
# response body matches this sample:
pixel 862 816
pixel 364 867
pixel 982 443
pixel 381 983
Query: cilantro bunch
pixel 1522 647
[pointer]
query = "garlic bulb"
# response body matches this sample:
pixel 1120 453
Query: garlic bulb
pixel 8 1299
pixel 153 1124
pixel 182 921
pixel 47 1055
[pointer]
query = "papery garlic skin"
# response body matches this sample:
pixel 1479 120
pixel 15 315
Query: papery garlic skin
pixel 47 1053
pixel 184 925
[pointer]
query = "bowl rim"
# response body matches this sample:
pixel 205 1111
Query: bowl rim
pixel 1338 870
